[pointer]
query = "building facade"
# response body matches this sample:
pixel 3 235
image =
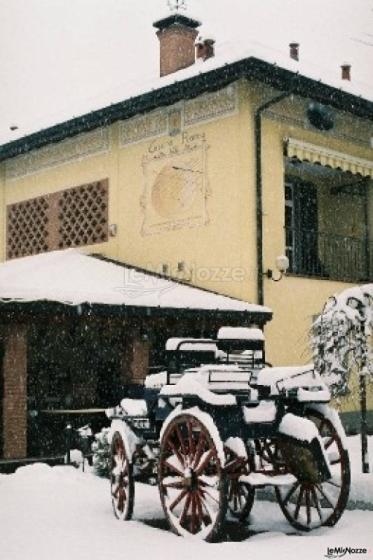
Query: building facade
pixel 208 181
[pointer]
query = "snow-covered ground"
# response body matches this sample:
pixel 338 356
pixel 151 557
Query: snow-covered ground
pixel 361 493
pixel 62 513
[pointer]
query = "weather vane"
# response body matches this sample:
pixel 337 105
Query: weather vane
pixel 177 5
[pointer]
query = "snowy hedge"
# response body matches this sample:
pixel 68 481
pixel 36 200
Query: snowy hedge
pixel 101 453
pixel 341 337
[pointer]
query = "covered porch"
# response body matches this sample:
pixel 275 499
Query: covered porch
pixel 77 330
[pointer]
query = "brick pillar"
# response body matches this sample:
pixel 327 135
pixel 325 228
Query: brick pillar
pixel 140 359
pixel 14 413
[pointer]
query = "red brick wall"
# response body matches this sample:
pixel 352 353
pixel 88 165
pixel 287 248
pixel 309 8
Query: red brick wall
pixel 14 413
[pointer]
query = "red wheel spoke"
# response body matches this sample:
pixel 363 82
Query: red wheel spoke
pixel 322 424
pixel 290 493
pixel 239 497
pixel 332 483
pixel 235 463
pixel 205 462
pixel 191 444
pixel 173 468
pixel 185 510
pixel 206 508
pixel 177 485
pixel 207 493
pixel 299 502
pixel 199 449
pixel 308 506
pixel 325 496
pixel 197 498
pixel 316 502
pixel 328 443
pixel 178 499
pixel 181 439
pixel 175 451
pixel 235 501
pixel 121 499
pixel 269 452
pixel 194 524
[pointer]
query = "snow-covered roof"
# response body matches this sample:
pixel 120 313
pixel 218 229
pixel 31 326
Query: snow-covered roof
pixel 320 67
pixel 199 78
pixel 73 278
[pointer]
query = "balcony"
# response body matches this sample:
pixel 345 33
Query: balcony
pixel 325 255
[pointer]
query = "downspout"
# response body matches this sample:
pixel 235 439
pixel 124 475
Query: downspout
pixel 259 197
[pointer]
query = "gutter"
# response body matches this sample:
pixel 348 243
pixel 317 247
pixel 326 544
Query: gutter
pixel 259 190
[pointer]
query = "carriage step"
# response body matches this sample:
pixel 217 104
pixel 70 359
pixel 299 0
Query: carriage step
pixel 260 479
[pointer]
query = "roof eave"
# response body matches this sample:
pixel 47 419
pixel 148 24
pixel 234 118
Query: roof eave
pixel 250 68
pixel 27 310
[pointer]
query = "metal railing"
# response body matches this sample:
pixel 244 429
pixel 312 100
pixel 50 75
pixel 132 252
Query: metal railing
pixel 327 255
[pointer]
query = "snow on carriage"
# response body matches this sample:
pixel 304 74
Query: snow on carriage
pixel 217 424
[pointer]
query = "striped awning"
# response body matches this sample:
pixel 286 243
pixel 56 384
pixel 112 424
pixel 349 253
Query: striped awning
pixel 312 153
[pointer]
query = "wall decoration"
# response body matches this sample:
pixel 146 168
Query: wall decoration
pixel 175 184
pixel 211 106
pixel 72 149
pixel 146 126
pixel 173 120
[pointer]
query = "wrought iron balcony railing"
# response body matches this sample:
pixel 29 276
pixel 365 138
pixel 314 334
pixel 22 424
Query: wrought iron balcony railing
pixel 327 255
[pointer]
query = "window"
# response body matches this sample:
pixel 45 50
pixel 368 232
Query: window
pixel 68 218
pixel 328 222
pixel 301 223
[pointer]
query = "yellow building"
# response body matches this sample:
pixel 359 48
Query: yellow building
pixel 208 178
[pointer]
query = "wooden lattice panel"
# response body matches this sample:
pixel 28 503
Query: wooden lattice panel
pixel 28 228
pixel 83 215
pixel 69 218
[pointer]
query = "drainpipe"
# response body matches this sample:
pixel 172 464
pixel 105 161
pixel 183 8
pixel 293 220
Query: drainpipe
pixel 259 197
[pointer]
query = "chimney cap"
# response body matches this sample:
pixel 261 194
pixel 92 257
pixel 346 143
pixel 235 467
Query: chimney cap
pixel 346 71
pixel 294 50
pixel 205 41
pixel 179 19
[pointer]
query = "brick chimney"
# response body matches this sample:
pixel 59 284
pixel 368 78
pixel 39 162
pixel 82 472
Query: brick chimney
pixel 177 35
pixel 294 51
pixel 205 49
pixel 346 72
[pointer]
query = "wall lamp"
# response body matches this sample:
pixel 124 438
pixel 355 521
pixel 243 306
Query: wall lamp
pixel 282 265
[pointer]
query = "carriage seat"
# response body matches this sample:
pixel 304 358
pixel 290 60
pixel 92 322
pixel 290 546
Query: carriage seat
pixel 287 377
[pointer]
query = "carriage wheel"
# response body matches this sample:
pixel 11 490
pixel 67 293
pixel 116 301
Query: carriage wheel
pixel 309 505
pixel 191 479
pixel 240 494
pixel 121 477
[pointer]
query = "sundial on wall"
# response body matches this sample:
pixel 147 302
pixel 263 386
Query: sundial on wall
pixel 175 188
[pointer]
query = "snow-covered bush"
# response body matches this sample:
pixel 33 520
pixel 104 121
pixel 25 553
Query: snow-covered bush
pixel 101 453
pixel 341 337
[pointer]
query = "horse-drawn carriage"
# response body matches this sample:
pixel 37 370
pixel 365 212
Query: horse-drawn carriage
pixel 217 424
